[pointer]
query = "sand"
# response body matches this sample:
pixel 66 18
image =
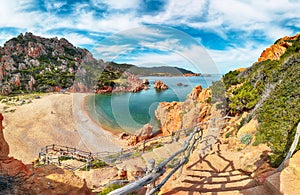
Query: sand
pixel 55 119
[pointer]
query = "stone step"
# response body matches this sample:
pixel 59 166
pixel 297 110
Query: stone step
pixel 257 190
pixel 162 152
pixel 173 147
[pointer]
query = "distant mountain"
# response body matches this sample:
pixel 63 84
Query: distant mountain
pixel 31 63
pixel 153 71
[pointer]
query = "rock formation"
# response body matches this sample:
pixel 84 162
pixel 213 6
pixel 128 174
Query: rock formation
pixel 287 181
pixel 180 115
pixel 146 132
pixel 277 49
pixel 160 85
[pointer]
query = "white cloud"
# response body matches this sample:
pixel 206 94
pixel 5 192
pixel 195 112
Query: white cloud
pixel 112 52
pixel 236 57
pixel 117 4
pixel 78 39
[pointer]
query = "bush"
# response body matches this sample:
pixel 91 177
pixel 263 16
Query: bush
pixel 246 139
pixel 231 78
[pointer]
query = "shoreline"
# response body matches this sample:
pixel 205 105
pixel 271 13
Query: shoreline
pixel 87 110
pixel 54 118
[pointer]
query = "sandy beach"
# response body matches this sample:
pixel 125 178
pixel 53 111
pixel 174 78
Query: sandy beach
pixel 54 119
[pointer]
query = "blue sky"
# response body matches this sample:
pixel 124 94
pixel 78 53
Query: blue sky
pixel 209 36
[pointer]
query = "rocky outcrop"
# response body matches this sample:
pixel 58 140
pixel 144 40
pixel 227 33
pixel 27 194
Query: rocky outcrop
pixel 146 132
pixel 277 49
pixel 48 179
pixel 32 63
pixel 160 85
pixel 179 115
pixel 131 172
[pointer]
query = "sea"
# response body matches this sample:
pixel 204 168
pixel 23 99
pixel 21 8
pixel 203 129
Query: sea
pixel 128 112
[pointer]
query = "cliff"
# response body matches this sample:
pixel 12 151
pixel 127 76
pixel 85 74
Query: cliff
pixel 278 48
pixel 26 179
pixel 180 115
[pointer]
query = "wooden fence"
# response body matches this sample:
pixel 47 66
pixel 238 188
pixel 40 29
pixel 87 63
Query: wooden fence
pixel 153 173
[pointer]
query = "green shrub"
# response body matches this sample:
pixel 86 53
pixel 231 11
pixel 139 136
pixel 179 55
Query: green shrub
pixel 246 139
pixel 231 78
pixel 111 188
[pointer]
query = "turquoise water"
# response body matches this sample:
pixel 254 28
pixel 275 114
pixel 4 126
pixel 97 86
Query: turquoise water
pixel 130 111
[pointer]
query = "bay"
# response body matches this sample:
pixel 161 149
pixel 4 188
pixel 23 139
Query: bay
pixel 130 111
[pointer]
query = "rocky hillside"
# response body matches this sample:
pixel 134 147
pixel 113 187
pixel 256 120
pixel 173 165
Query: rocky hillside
pixel 181 115
pixel 275 51
pixel 32 63
pixel 264 100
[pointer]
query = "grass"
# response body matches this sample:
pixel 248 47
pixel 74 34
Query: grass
pixel 111 188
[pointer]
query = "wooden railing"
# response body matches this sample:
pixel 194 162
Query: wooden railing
pixel 112 158
pixel 153 173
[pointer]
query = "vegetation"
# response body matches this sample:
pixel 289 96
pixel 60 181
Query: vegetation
pixel 271 91
pixel 111 188
pixel 246 139
pixel 231 78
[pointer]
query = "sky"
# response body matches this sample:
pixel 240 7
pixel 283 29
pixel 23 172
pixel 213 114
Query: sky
pixel 207 36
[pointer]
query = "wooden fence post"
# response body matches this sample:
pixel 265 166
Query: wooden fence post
pixel 150 168
pixel 121 153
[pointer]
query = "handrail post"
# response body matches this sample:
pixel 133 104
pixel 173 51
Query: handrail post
pixel 121 153
pixel 150 169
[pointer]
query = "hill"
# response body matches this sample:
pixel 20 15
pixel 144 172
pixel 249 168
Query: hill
pixel 152 71
pixel 269 91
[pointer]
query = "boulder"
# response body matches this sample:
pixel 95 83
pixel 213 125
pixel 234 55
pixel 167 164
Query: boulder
pixel 160 85
pixel 146 132
pixel 132 172
pixel 146 82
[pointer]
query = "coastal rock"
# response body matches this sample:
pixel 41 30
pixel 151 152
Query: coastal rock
pixel 146 82
pixel 277 49
pixel 180 115
pixel 146 132
pixel 160 85
pixel 170 116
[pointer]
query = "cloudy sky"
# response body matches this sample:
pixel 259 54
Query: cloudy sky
pixel 201 35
